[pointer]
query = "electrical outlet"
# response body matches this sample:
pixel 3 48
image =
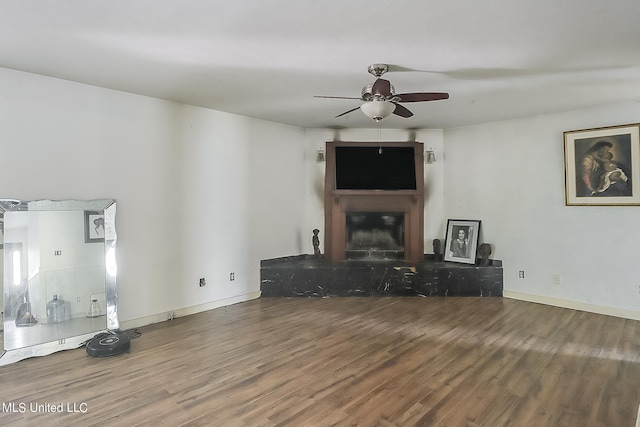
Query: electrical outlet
pixel 77 299
pixel 232 277
pixel 521 274
pixel 557 279
pixel 202 282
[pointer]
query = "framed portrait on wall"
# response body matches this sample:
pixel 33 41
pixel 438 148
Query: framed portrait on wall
pixel 461 240
pixel 602 166
pixel 93 227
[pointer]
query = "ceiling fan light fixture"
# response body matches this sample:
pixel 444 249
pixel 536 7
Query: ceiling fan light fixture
pixel 378 110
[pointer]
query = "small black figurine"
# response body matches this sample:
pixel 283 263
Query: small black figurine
pixel 316 242
pixel 484 250
pixel 436 250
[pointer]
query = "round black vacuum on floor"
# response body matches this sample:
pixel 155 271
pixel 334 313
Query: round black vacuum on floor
pixel 108 344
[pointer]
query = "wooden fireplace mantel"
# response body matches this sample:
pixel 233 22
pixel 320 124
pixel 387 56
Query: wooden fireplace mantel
pixel 337 203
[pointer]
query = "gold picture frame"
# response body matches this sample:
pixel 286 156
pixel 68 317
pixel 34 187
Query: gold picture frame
pixel 602 166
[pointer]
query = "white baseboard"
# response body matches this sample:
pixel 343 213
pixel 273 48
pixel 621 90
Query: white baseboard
pixel 574 305
pixel 162 317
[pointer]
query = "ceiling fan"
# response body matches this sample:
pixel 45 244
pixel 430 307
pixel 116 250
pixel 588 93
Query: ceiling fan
pixel 381 100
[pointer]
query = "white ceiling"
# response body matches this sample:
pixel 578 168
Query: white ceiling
pixel 498 59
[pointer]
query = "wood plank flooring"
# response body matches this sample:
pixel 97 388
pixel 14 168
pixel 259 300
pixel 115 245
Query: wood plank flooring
pixel 347 362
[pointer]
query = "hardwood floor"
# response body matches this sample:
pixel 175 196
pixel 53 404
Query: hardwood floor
pixel 347 362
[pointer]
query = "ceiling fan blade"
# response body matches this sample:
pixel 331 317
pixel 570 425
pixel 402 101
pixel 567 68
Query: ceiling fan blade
pixel 402 111
pixel 347 112
pixel 335 97
pixel 381 87
pixel 421 96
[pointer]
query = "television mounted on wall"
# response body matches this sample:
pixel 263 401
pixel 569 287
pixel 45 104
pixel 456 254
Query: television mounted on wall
pixel 370 167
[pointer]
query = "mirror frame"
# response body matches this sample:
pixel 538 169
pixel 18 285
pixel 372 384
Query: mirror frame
pixel 108 206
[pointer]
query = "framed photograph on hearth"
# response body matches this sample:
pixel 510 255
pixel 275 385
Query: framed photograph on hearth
pixel 461 241
pixel 602 166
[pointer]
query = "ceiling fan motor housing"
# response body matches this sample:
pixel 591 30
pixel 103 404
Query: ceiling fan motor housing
pixel 367 93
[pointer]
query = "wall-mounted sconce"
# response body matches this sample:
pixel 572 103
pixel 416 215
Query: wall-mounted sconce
pixel 320 156
pixel 429 156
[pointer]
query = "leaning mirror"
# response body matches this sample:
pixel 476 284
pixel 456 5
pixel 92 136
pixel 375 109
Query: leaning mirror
pixel 59 274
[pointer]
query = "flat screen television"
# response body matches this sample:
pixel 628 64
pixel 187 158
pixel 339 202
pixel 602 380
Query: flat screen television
pixel 375 168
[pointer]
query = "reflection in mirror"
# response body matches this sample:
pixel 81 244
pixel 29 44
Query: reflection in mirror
pixel 59 274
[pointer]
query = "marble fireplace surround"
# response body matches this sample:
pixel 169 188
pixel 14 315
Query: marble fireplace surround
pixel 339 203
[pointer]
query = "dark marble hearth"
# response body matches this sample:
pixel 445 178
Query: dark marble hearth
pixel 306 275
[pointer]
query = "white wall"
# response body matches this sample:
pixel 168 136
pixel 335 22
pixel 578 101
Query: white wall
pixel 510 175
pixel 191 186
pixel 315 139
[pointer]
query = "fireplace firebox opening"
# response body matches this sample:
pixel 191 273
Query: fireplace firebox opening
pixel 374 235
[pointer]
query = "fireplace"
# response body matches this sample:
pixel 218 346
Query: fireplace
pixel 374 235
pixel 378 218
